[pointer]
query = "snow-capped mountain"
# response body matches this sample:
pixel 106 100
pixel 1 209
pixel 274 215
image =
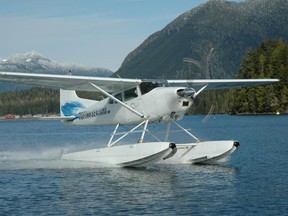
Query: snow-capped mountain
pixel 33 62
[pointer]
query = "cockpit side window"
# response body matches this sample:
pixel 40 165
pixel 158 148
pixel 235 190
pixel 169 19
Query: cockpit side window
pixel 119 96
pixel 125 96
pixel 130 94
pixel 146 87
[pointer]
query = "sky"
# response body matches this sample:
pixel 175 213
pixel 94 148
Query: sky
pixel 98 33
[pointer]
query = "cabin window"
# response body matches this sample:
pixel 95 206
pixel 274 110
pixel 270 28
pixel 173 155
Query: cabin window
pixel 146 87
pixel 130 94
pixel 119 96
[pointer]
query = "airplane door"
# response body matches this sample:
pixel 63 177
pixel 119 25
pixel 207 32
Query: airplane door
pixel 134 101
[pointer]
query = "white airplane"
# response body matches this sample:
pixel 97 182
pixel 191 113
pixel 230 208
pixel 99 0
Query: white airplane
pixel 136 102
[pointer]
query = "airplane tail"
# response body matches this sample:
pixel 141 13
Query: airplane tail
pixel 71 104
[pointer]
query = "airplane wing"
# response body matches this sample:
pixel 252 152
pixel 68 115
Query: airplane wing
pixel 69 82
pixel 221 83
pixel 108 84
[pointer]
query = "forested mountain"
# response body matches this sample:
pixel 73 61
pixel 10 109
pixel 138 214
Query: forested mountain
pixel 33 62
pixel 270 59
pixel 30 101
pixel 208 41
pixel 35 101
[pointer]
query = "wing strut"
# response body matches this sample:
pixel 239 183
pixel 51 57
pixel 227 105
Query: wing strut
pixel 117 100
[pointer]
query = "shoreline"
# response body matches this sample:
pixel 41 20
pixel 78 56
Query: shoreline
pixel 57 117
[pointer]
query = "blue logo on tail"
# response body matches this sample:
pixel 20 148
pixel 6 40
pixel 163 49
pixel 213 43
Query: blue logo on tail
pixel 71 108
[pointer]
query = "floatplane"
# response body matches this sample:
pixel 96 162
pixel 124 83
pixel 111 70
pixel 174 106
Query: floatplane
pixel 136 102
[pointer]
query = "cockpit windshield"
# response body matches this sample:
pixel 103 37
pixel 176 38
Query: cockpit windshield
pixel 146 87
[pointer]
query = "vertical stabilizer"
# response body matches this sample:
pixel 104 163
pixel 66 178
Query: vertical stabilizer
pixel 71 104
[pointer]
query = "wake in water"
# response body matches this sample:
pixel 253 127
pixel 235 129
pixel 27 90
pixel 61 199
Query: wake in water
pixel 48 159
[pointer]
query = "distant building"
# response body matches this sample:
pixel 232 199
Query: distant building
pixel 9 116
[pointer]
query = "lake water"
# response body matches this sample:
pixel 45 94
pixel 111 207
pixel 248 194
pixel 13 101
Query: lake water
pixel 253 181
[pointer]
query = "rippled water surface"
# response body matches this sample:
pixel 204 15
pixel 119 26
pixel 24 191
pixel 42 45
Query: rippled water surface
pixel 252 181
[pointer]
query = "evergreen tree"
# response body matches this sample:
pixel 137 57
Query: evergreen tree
pixel 35 101
pixel 269 60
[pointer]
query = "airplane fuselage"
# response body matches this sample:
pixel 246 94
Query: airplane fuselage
pixel 159 104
